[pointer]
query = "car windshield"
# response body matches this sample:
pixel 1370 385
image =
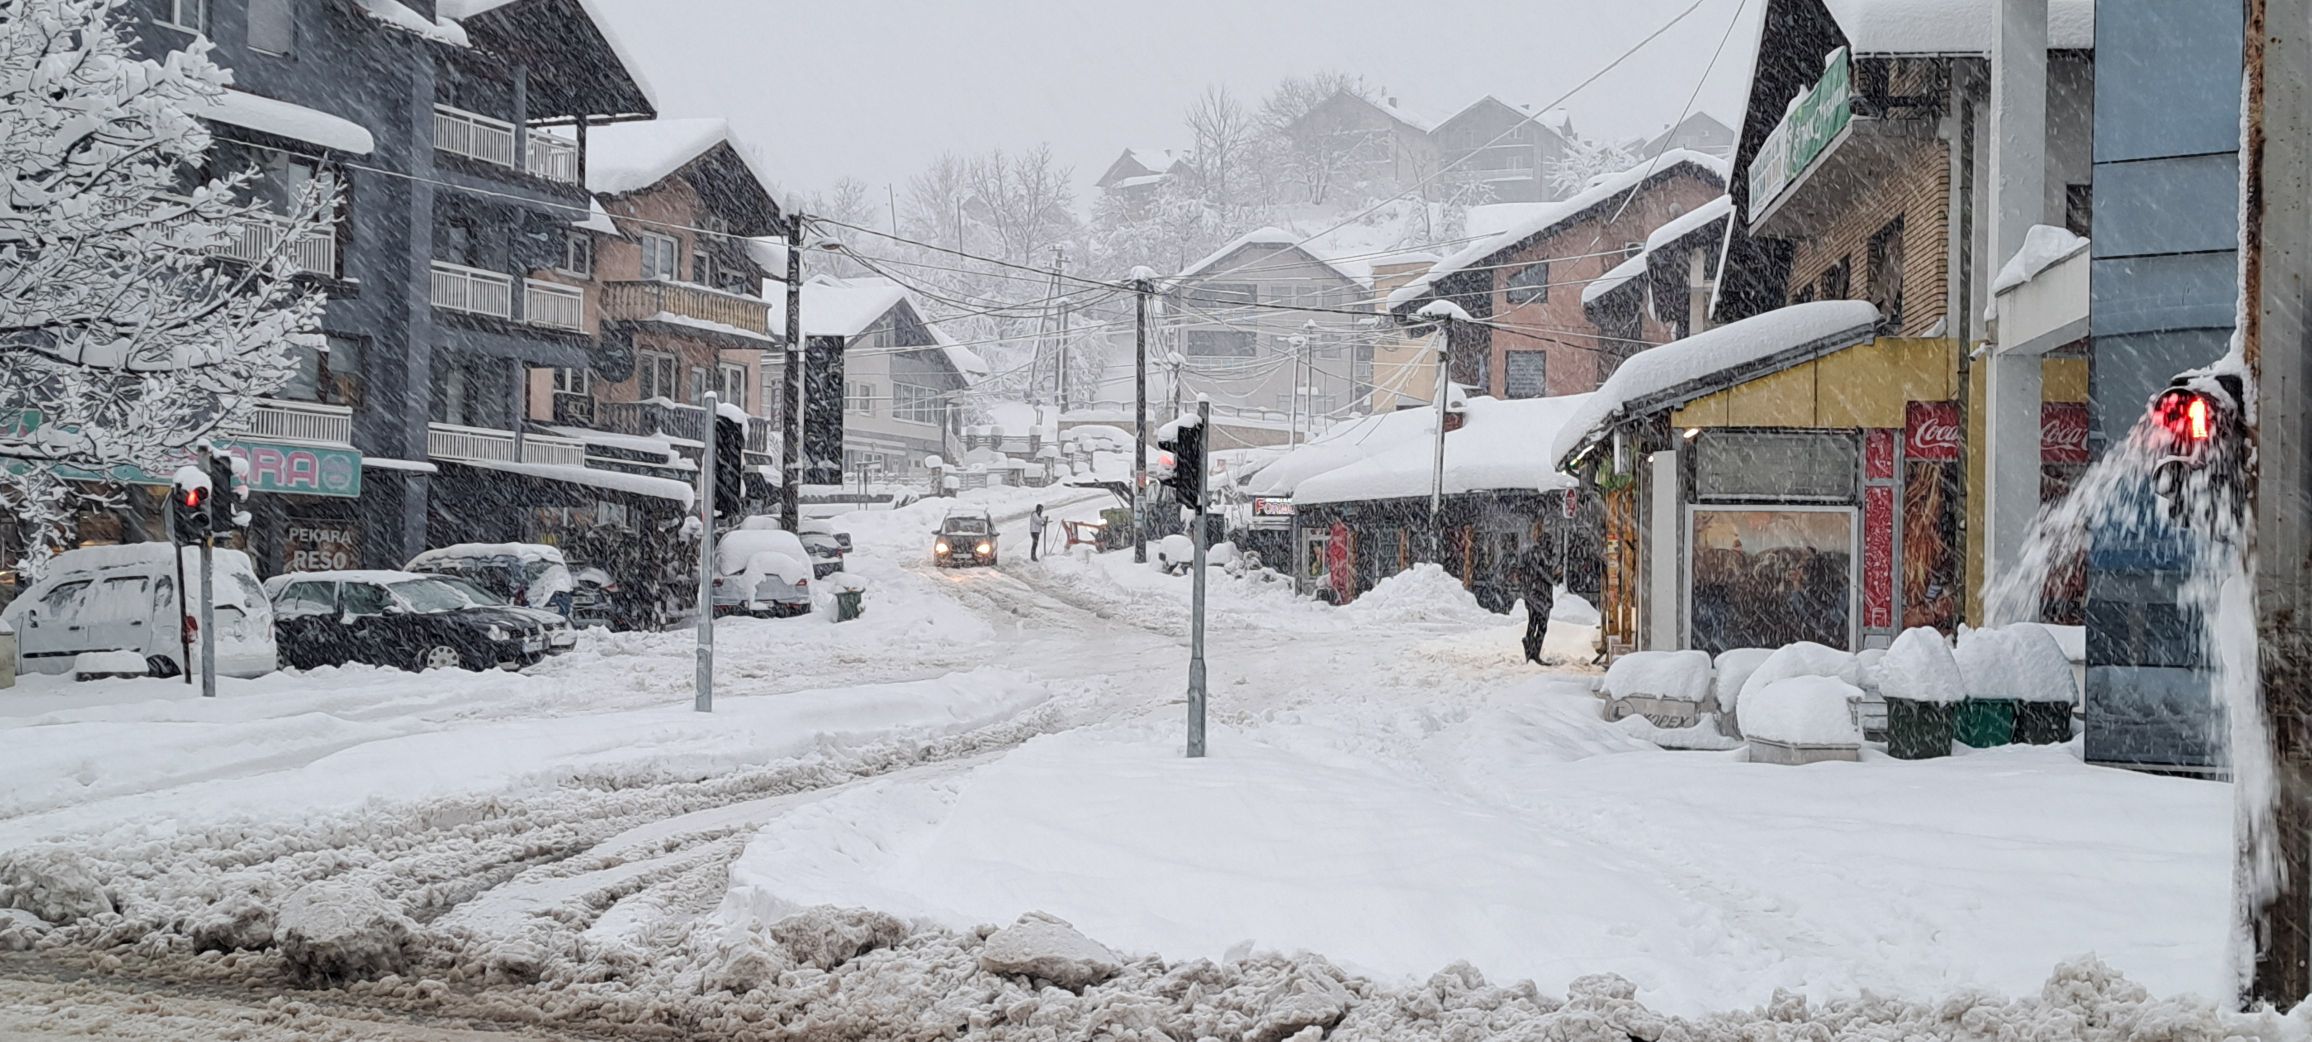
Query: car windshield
pixel 472 592
pixel 821 543
pixel 967 525
pixel 428 596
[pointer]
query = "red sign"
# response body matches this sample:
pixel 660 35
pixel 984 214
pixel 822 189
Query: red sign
pixel 1878 557
pixel 1569 504
pixel 1878 454
pixel 2063 432
pixel 1931 431
pixel 1337 567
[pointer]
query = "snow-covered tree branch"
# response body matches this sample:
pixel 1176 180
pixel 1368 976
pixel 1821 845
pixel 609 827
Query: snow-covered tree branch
pixel 124 339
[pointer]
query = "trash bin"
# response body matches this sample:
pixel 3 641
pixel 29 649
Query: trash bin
pixel 2043 723
pixel 1985 722
pixel 1919 730
pixel 849 604
pixel 7 656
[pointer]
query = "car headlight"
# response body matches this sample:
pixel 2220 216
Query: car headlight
pixel 986 548
pixel 497 633
pixel 939 547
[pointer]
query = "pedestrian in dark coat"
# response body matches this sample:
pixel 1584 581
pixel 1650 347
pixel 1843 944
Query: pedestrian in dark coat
pixel 1035 531
pixel 1536 575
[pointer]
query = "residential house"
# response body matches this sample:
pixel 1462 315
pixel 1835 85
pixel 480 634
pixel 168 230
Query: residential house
pixel 1404 360
pixel 1350 140
pixel 1135 175
pixel 884 383
pixel 1262 323
pixel 1698 132
pixel 1523 286
pixel 1494 152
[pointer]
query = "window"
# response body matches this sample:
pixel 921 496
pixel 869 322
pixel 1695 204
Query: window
pixel 307 598
pixel 1237 343
pixel 1886 272
pixel 189 15
pixel 1223 294
pixel 573 381
pixel 702 268
pixel 697 386
pixel 273 26
pixel 341 370
pixel 915 404
pixel 578 254
pixel 305 369
pixel 472 391
pixel 363 598
pixel 731 384
pixel 1836 280
pixel 661 258
pixel 64 601
pixel 1803 294
pixel 1775 465
pixel 654 376
pixel 859 398
pixel 1529 284
pixel 1525 374
pixel 283 179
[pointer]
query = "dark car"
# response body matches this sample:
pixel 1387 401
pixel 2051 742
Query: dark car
pixel 559 636
pixel 402 619
pixel 964 539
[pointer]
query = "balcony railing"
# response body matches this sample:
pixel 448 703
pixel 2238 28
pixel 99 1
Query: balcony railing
pixel 476 136
pixel 257 238
pixel 301 422
pixel 553 304
pixel 675 420
pixel 475 291
pixel 635 301
pixel 454 442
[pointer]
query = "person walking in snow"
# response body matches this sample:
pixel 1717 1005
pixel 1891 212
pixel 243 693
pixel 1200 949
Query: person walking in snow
pixel 1035 531
pixel 1536 576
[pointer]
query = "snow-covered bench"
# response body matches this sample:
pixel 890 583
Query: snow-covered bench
pixel 1668 688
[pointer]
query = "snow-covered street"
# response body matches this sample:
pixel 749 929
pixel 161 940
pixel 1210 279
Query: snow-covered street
pixel 1390 788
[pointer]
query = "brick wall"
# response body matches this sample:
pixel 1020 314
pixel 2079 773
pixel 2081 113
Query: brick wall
pixel 1919 194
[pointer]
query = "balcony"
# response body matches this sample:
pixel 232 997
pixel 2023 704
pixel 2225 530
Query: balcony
pixel 479 137
pixel 450 441
pixel 257 238
pixel 675 420
pixel 304 422
pixel 642 301
pixel 480 291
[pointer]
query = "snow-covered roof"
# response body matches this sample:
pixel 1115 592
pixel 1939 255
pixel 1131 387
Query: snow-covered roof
pixel 1676 228
pixel 485 551
pixel 1494 218
pixel 597 219
pixel 628 61
pixel 632 156
pixel 398 16
pixel 350 575
pixel 2043 245
pixel 1494 449
pixel 1136 182
pixel 282 119
pixel 837 307
pixel 966 361
pixel 1275 237
pixel 1950 26
pixel 1419 119
pixel 616 481
pixel 1619 276
pixel 1156 160
pixel 1686 369
pixel 1545 220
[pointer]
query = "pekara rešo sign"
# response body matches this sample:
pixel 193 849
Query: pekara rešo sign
pixel 303 470
pixel 1807 128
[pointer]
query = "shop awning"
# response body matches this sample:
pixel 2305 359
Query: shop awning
pixel 611 480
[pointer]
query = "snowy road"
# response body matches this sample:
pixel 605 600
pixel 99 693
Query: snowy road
pixel 574 851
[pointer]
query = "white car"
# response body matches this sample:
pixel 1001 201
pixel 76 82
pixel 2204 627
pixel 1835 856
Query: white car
pixel 761 572
pixel 124 598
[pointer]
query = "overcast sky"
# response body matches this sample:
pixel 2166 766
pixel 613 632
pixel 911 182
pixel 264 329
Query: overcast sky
pixel 877 88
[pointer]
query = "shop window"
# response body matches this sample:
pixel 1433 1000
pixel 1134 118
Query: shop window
pixel 1886 272
pixel 1525 374
pixel 1778 466
pixel 1529 284
pixel 1763 577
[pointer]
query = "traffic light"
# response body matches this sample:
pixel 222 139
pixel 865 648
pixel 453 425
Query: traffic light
pixel 730 463
pixel 224 498
pixel 2200 441
pixel 189 500
pixel 1183 439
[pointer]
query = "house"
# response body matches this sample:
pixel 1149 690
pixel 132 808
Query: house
pixel 1698 132
pixel 883 384
pixel 1494 152
pixel 1135 175
pixel 1523 285
pixel 1350 141
pixel 1404 360
pixel 1264 324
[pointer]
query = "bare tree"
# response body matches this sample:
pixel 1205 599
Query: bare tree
pixel 1222 135
pixel 1306 154
pixel 1586 161
pixel 1023 199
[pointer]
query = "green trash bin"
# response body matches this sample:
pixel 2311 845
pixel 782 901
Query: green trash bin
pixel 850 604
pixel 1919 730
pixel 1986 722
pixel 2043 723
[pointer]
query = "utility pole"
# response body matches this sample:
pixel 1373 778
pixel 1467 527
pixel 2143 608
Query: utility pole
pixel 1196 688
pixel 1142 278
pixel 2013 379
pixel 1437 476
pixel 702 698
pixel 1173 362
pixel 2273 878
pixel 1300 345
pixel 791 473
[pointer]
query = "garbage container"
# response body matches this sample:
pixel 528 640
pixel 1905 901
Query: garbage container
pixel 1919 730
pixel 1986 722
pixel 2043 723
pixel 7 656
pixel 849 604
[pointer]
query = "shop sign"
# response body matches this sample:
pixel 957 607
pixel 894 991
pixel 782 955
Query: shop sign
pixel 320 544
pixel 1806 130
pixel 1931 431
pixel 1271 513
pixel 2063 432
pixel 301 470
pixel 1878 557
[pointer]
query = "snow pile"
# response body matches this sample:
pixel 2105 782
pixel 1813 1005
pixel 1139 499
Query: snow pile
pixel 1732 670
pixel 1803 659
pixel 1573 609
pixel 1985 668
pixel 52 884
pixel 1951 27
pixel 1680 675
pixel 2042 670
pixel 1802 710
pixel 1046 948
pixel 1422 593
pixel 1919 666
pixel 1708 734
pixel 824 937
pixel 2043 246
pixel 341 929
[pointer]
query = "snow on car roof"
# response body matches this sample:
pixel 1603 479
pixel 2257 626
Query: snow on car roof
pixel 351 575
pixel 464 551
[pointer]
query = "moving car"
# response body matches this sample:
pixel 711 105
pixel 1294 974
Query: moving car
pixel 529 574
pixel 559 636
pixel 124 598
pixel 965 538
pixel 761 572
pixel 403 619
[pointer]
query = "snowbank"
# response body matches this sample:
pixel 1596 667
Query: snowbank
pixel 1919 666
pixel 1422 593
pixel 1803 710
pixel 1803 659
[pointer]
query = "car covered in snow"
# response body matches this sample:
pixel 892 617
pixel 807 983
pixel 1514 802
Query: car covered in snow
pixel 761 572
pixel 560 637
pixel 403 619
pixel 966 538
pixel 124 598
pixel 529 574
pixel 826 546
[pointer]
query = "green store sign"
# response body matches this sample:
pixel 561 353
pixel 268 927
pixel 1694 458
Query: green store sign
pixel 1805 132
pixel 298 470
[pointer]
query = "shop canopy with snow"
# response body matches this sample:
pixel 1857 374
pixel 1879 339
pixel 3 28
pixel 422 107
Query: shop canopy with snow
pixel 1360 496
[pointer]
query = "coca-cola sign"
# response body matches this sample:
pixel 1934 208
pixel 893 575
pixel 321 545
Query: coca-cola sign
pixel 1931 431
pixel 2063 432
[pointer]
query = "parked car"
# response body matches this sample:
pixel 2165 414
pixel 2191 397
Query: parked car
pixel 761 572
pixel 529 574
pixel 826 548
pixel 965 538
pixel 559 636
pixel 403 619
pixel 124 598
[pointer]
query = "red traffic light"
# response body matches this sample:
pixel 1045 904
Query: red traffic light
pixel 2188 416
pixel 192 497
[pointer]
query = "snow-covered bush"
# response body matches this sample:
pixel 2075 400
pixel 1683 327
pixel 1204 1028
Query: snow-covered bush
pixel 1919 666
pixel 124 334
pixel 1802 710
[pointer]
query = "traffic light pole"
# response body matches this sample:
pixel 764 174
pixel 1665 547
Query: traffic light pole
pixel 184 596
pixel 1140 412
pixel 791 471
pixel 209 596
pixel 702 699
pixel 1196 688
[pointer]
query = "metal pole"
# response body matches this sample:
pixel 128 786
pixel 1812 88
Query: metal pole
pixel 791 476
pixel 2276 165
pixel 208 599
pixel 1292 406
pixel 1063 368
pixel 184 596
pixel 1437 475
pixel 702 699
pixel 1196 691
pixel 1140 412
